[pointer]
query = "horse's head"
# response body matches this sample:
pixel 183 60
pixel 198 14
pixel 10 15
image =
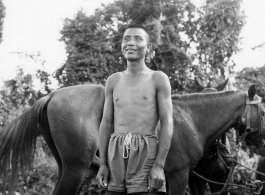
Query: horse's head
pixel 252 124
pixel 209 87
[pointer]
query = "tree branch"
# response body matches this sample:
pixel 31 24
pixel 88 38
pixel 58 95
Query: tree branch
pixel 258 46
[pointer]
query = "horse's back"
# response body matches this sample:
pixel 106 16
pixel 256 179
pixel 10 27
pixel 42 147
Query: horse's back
pixel 86 99
pixel 74 115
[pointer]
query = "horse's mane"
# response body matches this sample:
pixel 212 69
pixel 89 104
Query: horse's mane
pixel 202 96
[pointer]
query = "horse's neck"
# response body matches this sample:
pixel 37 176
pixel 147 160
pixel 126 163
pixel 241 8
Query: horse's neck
pixel 213 115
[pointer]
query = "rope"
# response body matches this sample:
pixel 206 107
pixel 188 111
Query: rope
pixel 219 183
pixel 221 156
pixel 211 181
pixel 229 178
pixel 260 173
pixel 127 145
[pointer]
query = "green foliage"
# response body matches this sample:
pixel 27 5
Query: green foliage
pixel 41 74
pixel 249 76
pixel 90 185
pixel 90 58
pixel 2 15
pixel 244 175
pixel 16 95
pixel 180 33
pixel 20 90
pixel 45 81
pixel 41 177
pixel 218 36
pixel 19 94
pixel 3 112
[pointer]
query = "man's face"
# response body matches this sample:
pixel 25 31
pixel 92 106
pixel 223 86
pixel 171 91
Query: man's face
pixel 135 44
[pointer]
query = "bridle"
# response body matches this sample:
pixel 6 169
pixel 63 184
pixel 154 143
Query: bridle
pixel 245 119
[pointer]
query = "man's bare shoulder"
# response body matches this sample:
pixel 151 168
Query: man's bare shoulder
pixel 113 79
pixel 160 77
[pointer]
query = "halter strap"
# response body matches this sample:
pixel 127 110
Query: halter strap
pixel 253 102
pixel 245 120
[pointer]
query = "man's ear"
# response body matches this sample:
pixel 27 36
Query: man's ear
pixel 149 47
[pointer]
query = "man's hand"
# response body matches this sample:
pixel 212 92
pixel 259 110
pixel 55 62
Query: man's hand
pixel 102 176
pixel 156 178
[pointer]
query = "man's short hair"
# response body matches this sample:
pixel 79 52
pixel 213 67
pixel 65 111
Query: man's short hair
pixel 138 26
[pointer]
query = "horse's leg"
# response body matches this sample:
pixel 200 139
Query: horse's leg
pixel 197 185
pixel 74 168
pixel 222 174
pixel 70 181
pixel 201 185
pixel 73 174
pixel 46 132
pixel 177 182
pixel 77 145
pixel 193 185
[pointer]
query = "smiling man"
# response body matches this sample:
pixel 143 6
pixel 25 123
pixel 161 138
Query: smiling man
pixel 132 157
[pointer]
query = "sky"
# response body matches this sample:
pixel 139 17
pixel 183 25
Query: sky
pixel 33 27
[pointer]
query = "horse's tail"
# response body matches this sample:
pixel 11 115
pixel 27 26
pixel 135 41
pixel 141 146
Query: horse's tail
pixel 18 138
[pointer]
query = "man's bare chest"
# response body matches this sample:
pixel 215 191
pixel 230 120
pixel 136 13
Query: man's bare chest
pixel 141 93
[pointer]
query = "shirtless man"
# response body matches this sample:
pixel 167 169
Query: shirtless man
pixel 131 156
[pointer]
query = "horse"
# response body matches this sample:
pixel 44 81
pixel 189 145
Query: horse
pixel 198 124
pixel 214 165
pixel 69 120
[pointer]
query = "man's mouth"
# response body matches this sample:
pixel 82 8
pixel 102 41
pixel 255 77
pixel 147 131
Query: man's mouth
pixel 130 50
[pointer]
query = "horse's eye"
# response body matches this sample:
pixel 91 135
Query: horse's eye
pixel 248 130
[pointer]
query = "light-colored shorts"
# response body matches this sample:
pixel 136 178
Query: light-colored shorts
pixel 130 159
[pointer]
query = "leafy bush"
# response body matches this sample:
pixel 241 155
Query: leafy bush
pixel 42 176
pixel 89 185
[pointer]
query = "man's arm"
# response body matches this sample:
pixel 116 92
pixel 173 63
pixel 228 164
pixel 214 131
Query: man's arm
pixel 105 131
pixel 165 112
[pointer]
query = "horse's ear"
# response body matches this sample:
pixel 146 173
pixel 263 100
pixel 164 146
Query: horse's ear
pixel 252 92
pixel 222 85
pixel 199 84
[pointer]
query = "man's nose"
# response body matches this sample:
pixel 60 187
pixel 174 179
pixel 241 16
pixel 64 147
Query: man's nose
pixel 131 42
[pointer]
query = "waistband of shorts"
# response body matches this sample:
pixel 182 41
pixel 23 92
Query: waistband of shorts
pixel 134 135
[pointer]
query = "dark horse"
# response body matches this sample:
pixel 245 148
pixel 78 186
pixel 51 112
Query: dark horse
pixel 214 164
pixel 69 119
